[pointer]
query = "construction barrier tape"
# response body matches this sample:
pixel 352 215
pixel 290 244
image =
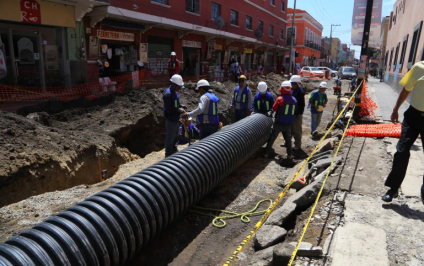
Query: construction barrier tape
pixel 281 195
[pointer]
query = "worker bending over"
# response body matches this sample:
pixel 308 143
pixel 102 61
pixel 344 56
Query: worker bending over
pixel 172 110
pixel 207 112
pixel 242 100
pixel 285 108
pixel 263 101
pixel 187 132
pixel 299 95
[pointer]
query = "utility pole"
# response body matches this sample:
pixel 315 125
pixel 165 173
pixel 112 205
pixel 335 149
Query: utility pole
pixel 364 53
pixel 331 40
pixel 291 40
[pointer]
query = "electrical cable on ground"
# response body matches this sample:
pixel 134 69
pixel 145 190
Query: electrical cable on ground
pixel 219 221
pixel 231 259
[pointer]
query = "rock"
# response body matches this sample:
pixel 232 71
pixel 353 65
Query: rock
pixel 282 254
pixel 268 235
pixel 292 172
pixel 280 215
pixel 307 249
pixel 319 155
pixel 326 145
pixel 327 244
pixel 307 195
pixel 262 258
pixel 327 162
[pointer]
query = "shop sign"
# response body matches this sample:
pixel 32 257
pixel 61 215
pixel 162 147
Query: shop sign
pixel 192 44
pixel 248 50
pixel 114 35
pixel 218 46
pixel 234 49
pixel 30 12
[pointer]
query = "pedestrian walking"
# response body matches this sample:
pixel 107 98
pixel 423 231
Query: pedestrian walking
pixel 173 65
pixel 187 132
pixel 285 108
pixel 172 110
pixel 299 95
pixel 318 101
pixel 263 101
pixel 237 72
pixel 412 126
pixel 207 112
pixel 241 101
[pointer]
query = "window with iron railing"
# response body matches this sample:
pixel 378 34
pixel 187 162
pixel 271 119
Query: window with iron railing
pixel 271 30
pixel 193 6
pixel 216 10
pixel 283 6
pixel 248 22
pixel 234 17
pixel 281 34
pixel 163 2
pixel 261 25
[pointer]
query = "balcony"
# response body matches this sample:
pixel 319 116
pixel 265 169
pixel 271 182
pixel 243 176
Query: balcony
pixel 312 45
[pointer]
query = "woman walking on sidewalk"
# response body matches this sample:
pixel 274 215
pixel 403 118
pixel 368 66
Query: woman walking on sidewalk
pixel 412 126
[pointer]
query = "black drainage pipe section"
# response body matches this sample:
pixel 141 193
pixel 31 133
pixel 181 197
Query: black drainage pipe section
pixel 111 227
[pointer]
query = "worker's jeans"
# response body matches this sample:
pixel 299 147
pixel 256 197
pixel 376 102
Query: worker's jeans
pixel 240 114
pixel 207 129
pixel 286 130
pixel 172 128
pixel 315 121
pixel 297 130
pixel 412 126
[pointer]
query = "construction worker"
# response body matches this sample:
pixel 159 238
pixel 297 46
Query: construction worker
pixel 187 132
pixel 412 127
pixel 318 101
pixel 172 110
pixel 299 95
pixel 263 101
pixel 207 112
pixel 173 65
pixel 241 100
pixel 237 72
pixel 285 108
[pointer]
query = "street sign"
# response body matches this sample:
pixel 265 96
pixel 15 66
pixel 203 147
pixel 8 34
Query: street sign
pixel 30 12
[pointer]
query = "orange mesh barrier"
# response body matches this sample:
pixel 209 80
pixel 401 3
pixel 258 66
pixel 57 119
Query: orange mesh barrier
pixel 368 106
pixel 372 131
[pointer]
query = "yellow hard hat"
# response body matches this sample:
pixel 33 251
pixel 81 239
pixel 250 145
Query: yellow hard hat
pixel 242 77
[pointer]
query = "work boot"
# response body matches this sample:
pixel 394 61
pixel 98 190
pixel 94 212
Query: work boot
pixel 390 194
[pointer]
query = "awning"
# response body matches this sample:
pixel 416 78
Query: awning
pixel 100 13
pixel 122 25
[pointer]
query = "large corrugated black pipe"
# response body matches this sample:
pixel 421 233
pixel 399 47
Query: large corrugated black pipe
pixel 112 226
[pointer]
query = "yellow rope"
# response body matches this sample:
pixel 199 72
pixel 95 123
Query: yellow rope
pixel 219 221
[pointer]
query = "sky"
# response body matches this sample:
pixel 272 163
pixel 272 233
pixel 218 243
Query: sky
pixel 329 12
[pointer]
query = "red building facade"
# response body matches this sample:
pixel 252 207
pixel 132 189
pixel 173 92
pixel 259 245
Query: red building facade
pixel 308 32
pixel 252 33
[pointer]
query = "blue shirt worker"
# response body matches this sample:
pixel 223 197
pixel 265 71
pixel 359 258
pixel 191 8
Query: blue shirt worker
pixel 207 112
pixel 187 136
pixel 172 110
pixel 299 95
pixel 285 108
pixel 318 101
pixel 263 101
pixel 242 100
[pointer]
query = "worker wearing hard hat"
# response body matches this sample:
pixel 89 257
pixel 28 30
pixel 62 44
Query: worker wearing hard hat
pixel 207 112
pixel 263 101
pixel 173 65
pixel 318 101
pixel 187 132
pixel 172 110
pixel 241 101
pixel 299 95
pixel 285 108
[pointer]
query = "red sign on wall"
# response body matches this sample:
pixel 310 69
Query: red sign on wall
pixel 30 11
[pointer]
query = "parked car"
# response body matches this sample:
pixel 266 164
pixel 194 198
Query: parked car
pixel 311 72
pixel 346 73
pixel 332 72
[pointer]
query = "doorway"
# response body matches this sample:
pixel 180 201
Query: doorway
pixel 191 58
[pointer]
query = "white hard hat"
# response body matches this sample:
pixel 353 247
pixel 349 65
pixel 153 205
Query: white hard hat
pixel 202 83
pixel 323 85
pixel 190 118
pixel 177 79
pixel 236 63
pixel 295 78
pixel 262 87
pixel 286 84
pixel 173 54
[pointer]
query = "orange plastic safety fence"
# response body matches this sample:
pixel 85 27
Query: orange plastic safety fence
pixel 372 131
pixel 368 106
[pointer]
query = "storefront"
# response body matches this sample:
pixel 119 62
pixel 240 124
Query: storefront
pixel 214 55
pixel 159 52
pixel 247 62
pixel 192 58
pixel 33 42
